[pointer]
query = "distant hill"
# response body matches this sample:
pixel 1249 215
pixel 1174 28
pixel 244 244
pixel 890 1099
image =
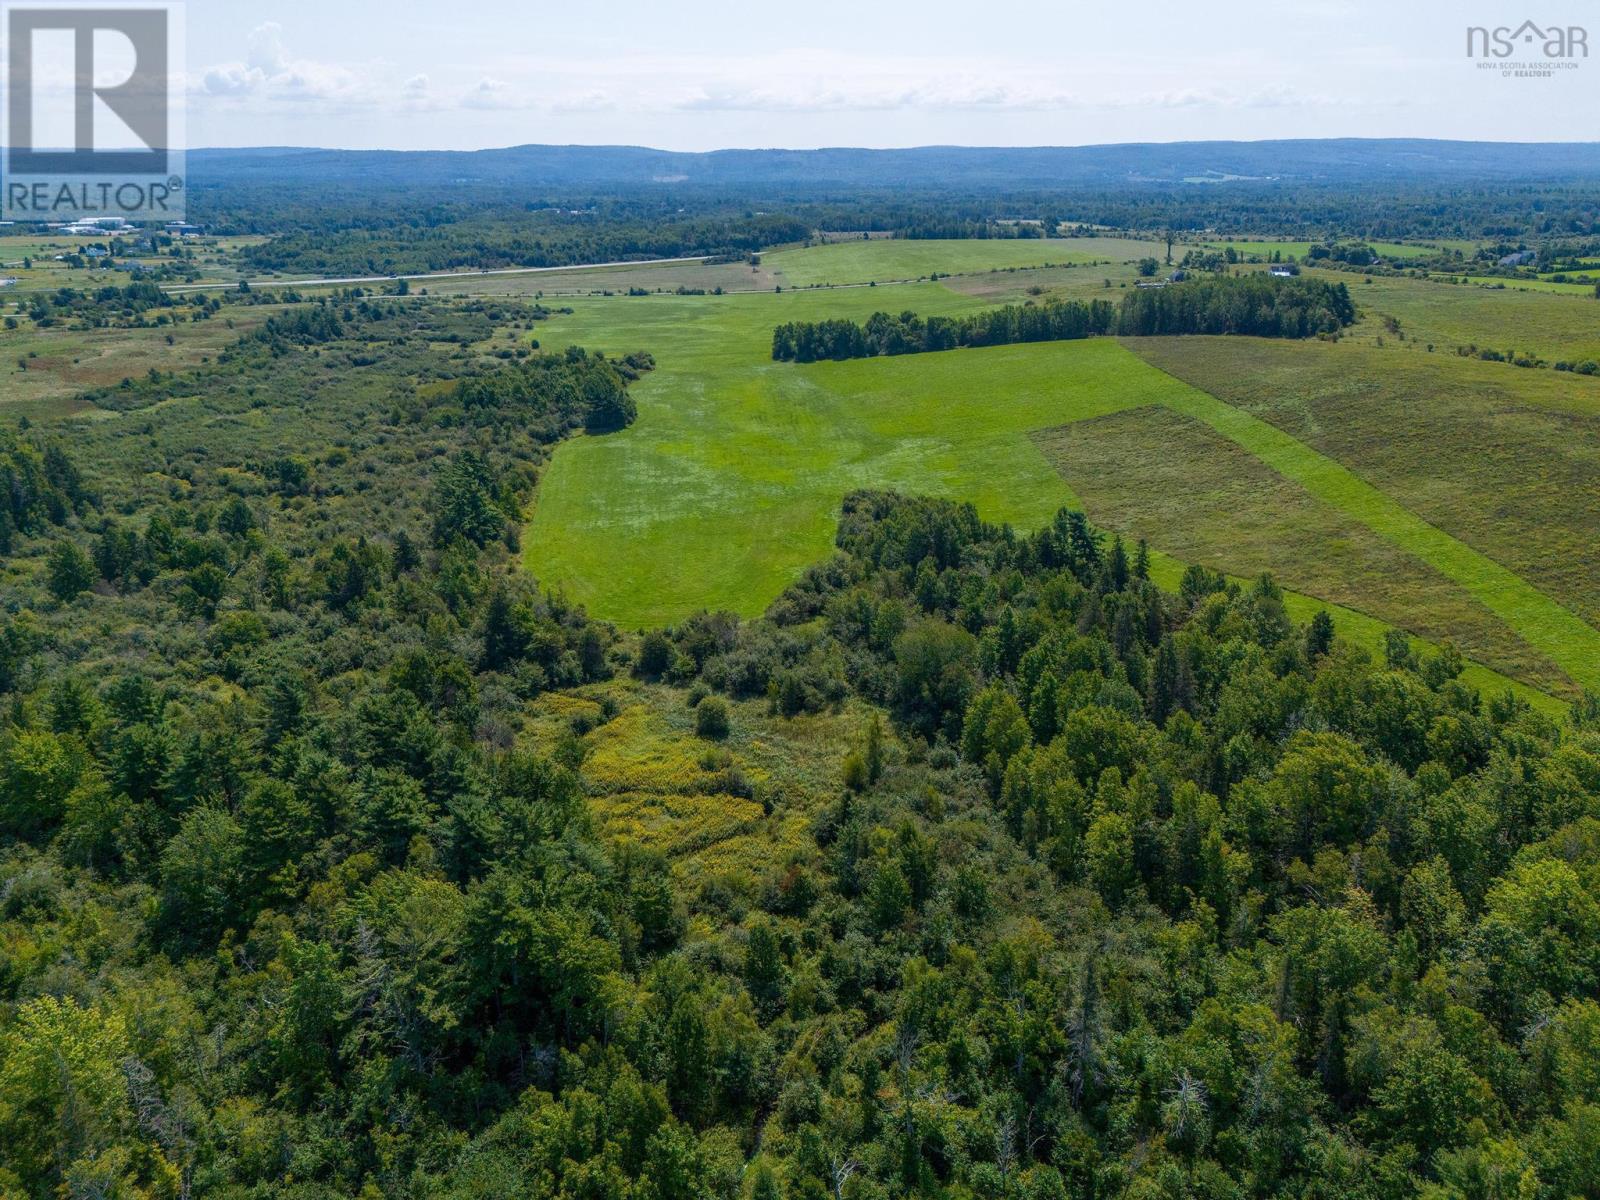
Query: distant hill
pixel 1336 160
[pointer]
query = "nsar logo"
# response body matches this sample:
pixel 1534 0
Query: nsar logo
pixel 1551 41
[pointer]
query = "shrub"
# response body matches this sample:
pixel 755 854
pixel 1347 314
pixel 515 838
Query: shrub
pixel 711 718
pixel 655 654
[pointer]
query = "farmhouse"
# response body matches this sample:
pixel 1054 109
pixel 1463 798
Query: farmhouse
pixel 1520 258
pixel 1283 270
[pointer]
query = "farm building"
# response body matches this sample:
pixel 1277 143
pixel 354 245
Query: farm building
pixel 1519 259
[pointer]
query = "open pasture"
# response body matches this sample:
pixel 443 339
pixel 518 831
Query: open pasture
pixel 580 281
pixel 1482 470
pixel 1017 285
pixel 1553 322
pixel 1173 480
pixel 729 483
pixel 1265 249
pixel 42 371
pixel 885 260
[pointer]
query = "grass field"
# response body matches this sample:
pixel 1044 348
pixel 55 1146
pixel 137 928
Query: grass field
pixel 729 483
pixel 1517 481
pixel 61 363
pixel 883 259
pixel 1169 478
pixel 668 277
pixel 1020 284
pixel 1301 249
pixel 1552 324
pixel 1497 283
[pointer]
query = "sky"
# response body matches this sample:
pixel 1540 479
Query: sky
pixel 705 74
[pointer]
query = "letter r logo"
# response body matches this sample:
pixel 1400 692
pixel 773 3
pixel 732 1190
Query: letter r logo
pixel 137 97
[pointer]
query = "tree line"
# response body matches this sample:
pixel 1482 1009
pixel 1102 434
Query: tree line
pixel 1252 304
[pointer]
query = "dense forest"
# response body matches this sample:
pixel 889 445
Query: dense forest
pixel 1115 892
pixel 1255 305
pixel 348 214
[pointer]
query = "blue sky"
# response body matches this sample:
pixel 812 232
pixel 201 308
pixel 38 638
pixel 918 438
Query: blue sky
pixel 702 74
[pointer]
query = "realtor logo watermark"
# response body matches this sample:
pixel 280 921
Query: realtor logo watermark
pixel 93 122
pixel 1528 50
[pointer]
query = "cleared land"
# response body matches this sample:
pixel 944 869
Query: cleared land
pixel 1020 284
pixel 1403 447
pixel 1174 481
pixel 1265 249
pixel 42 371
pixel 1552 325
pixel 667 277
pixel 1496 283
pixel 883 260
pixel 728 485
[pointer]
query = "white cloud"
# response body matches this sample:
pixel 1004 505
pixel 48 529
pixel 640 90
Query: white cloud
pixel 494 94
pixel 266 49
pixel 905 96
pixel 268 74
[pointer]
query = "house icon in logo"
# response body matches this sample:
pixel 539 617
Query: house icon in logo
pixel 1527 31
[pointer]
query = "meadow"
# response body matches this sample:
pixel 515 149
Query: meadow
pixel 1499 460
pixel 729 483
pixel 1553 322
pixel 579 281
pixel 1171 479
pixel 43 371
pixel 1265 249
pixel 1499 283
pixel 886 260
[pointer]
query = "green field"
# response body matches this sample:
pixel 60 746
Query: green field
pixel 42 371
pixel 1552 321
pixel 1021 284
pixel 729 483
pixel 730 277
pixel 1500 459
pixel 883 259
pixel 1180 484
pixel 1301 249
pixel 1496 283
